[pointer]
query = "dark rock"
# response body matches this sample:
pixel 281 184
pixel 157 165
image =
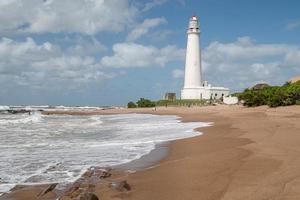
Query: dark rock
pixel 97 172
pixel 104 173
pixel 87 196
pixel 121 186
pixel 48 189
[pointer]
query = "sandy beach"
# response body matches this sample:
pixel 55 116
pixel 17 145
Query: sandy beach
pixel 248 153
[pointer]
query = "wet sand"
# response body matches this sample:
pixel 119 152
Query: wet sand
pixel 249 153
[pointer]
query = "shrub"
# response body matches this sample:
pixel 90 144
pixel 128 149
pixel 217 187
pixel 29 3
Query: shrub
pixel 181 102
pixel 131 105
pixel 143 103
pixel 288 94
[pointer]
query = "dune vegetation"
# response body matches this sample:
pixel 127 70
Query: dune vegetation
pixel 273 96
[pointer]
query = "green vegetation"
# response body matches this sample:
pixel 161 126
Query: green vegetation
pixel 145 103
pixel 131 105
pixel 180 102
pixel 273 96
pixel 141 103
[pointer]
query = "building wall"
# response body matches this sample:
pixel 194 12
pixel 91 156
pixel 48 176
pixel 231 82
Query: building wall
pixel 204 93
pixel 170 96
pixel 231 100
pixel 217 93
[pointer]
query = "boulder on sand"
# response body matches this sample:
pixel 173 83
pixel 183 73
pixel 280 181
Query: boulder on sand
pixel 87 196
pixel 121 185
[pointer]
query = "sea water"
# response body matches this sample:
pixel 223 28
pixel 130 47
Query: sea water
pixel 59 148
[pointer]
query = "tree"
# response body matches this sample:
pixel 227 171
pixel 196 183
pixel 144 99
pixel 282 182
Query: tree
pixel 142 103
pixel 288 94
pixel 131 105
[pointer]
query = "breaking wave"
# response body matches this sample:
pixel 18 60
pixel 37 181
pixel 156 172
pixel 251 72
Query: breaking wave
pixel 59 148
pixel 22 118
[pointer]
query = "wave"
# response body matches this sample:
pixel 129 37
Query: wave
pixel 95 121
pixel 4 108
pixel 62 147
pixel 25 118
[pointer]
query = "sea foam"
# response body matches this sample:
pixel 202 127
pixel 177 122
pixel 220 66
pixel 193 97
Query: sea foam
pixel 59 148
pixel 25 118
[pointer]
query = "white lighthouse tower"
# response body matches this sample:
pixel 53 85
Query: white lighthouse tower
pixel 194 86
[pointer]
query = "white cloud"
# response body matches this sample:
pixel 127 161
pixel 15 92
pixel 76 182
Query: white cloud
pixel 177 73
pixel 45 65
pixel 292 59
pixel 242 63
pixel 88 17
pixel 143 28
pixel 85 46
pixel 245 49
pixel 154 3
pixel 292 25
pixel 161 35
pixel 137 55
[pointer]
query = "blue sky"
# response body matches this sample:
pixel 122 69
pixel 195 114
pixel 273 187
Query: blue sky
pixel 109 52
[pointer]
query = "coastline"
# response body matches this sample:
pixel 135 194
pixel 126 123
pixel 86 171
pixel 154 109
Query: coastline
pixel 145 162
pixel 249 153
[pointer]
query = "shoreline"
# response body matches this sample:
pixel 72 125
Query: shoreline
pixel 145 162
pixel 249 153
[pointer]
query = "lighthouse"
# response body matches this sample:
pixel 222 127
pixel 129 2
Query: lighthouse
pixel 193 55
pixel 194 86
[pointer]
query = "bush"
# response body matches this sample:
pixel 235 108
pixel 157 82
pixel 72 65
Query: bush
pixel 145 103
pixel 181 102
pixel 288 94
pixel 131 105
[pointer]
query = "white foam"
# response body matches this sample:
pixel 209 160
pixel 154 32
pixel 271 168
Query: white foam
pixel 95 120
pixel 4 107
pixel 6 187
pixel 29 145
pixel 24 118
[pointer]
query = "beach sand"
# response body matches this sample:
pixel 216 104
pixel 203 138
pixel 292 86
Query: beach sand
pixel 248 153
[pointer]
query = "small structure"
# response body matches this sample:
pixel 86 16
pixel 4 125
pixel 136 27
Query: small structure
pixel 260 86
pixel 294 79
pixel 230 100
pixel 170 96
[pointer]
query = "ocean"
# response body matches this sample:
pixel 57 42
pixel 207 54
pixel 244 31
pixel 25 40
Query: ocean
pixel 59 148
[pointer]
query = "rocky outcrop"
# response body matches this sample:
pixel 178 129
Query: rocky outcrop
pixel 87 196
pixel 48 189
pixel 84 187
pixel 120 185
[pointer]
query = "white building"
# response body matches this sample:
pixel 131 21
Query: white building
pixel 194 86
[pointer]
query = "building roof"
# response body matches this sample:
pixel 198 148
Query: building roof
pixel 260 86
pixel 294 79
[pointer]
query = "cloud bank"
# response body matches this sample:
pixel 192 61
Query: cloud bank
pixel 69 16
pixel 143 28
pixel 243 63
pixel 39 66
pixel 130 55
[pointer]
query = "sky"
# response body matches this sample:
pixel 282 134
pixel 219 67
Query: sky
pixel 110 52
